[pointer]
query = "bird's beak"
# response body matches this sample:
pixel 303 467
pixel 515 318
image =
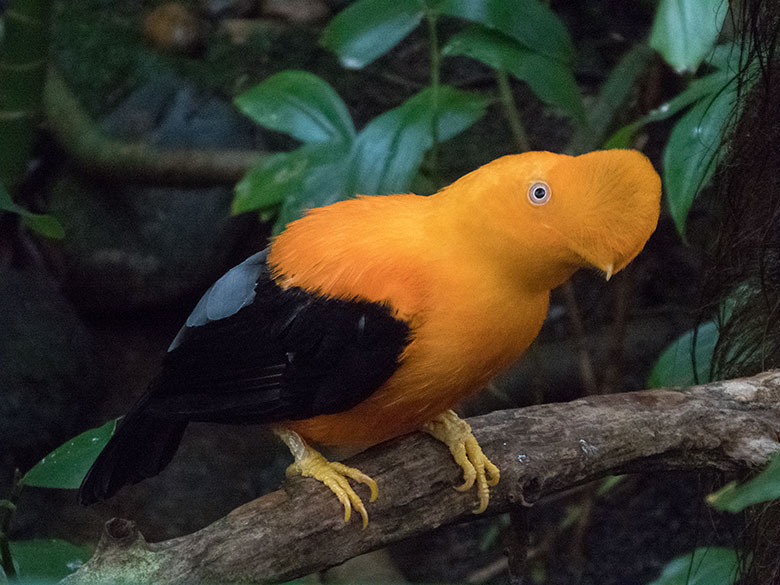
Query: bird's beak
pixel 608 269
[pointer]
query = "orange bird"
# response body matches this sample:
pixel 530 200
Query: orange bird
pixel 371 318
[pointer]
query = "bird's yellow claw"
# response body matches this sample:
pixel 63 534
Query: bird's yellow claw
pixel 456 434
pixel 311 463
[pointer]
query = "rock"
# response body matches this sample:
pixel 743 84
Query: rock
pixel 173 28
pixel 49 370
pixel 296 11
pixel 129 245
pixel 241 30
pixel 218 9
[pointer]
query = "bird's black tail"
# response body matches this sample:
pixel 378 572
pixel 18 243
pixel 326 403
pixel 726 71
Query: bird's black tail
pixel 141 447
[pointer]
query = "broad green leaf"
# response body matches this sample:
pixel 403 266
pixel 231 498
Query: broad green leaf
pixel 691 155
pixel 762 488
pixel 726 57
pixel 530 22
pixel 389 150
pixel 282 175
pixel 6 203
pixel 384 158
pixel 367 29
pixel 323 184
pixel 612 98
pixel 705 566
pixel 704 87
pixel 300 104
pixel 66 466
pixel 609 482
pixel 49 559
pixel 43 224
pixel 551 80
pixel 698 89
pixel 622 137
pixel 675 366
pixel 685 31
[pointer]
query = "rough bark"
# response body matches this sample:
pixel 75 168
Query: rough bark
pixel 541 450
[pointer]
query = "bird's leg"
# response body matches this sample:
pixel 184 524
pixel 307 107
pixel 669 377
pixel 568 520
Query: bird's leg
pixel 310 463
pixel 456 433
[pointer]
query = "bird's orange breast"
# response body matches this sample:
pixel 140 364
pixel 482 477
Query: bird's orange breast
pixel 438 369
pixel 467 323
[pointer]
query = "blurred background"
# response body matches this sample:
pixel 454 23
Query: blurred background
pixel 148 146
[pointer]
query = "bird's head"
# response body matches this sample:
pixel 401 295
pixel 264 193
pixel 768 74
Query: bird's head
pixel 551 213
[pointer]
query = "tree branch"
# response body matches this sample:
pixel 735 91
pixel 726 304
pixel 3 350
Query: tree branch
pixel 92 148
pixel 541 450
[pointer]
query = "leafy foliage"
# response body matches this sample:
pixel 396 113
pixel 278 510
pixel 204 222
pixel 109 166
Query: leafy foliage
pixel 43 224
pixel 383 158
pixel 693 150
pixel 550 79
pixel 299 104
pixel 529 22
pixel 704 566
pixel 684 31
pixel 367 29
pixel 762 488
pixel 66 466
pixel 687 359
pixel 47 560
pixel 691 153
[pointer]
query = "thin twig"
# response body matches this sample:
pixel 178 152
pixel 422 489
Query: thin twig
pixel 623 290
pixel 517 544
pixel 511 112
pixel 584 360
pixel 433 43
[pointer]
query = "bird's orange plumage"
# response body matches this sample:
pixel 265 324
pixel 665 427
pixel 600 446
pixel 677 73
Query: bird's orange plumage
pixel 470 268
pixel 372 317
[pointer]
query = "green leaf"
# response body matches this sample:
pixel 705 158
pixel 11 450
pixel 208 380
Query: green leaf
pixel 43 224
pixel 726 57
pixel 691 155
pixel 49 559
pixel 6 203
pixel 698 89
pixel 300 104
pixel 367 29
pixel 609 482
pixel 622 137
pixel 323 184
pixel 66 466
pixel 389 150
pixel 529 22
pixel 675 366
pixel 613 95
pixel 764 487
pixel 705 566
pixel 282 175
pixel 384 158
pixel 684 31
pixel 551 80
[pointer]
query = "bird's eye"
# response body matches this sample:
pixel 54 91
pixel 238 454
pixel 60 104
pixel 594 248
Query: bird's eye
pixel 539 193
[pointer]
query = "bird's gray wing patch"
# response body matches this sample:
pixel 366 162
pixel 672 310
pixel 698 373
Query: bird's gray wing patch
pixel 232 292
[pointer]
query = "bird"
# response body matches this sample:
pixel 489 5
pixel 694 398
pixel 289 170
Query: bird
pixel 373 317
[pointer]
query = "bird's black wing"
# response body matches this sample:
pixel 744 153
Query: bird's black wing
pixel 252 351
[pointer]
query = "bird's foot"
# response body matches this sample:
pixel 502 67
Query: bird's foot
pixel 311 463
pixel 456 433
